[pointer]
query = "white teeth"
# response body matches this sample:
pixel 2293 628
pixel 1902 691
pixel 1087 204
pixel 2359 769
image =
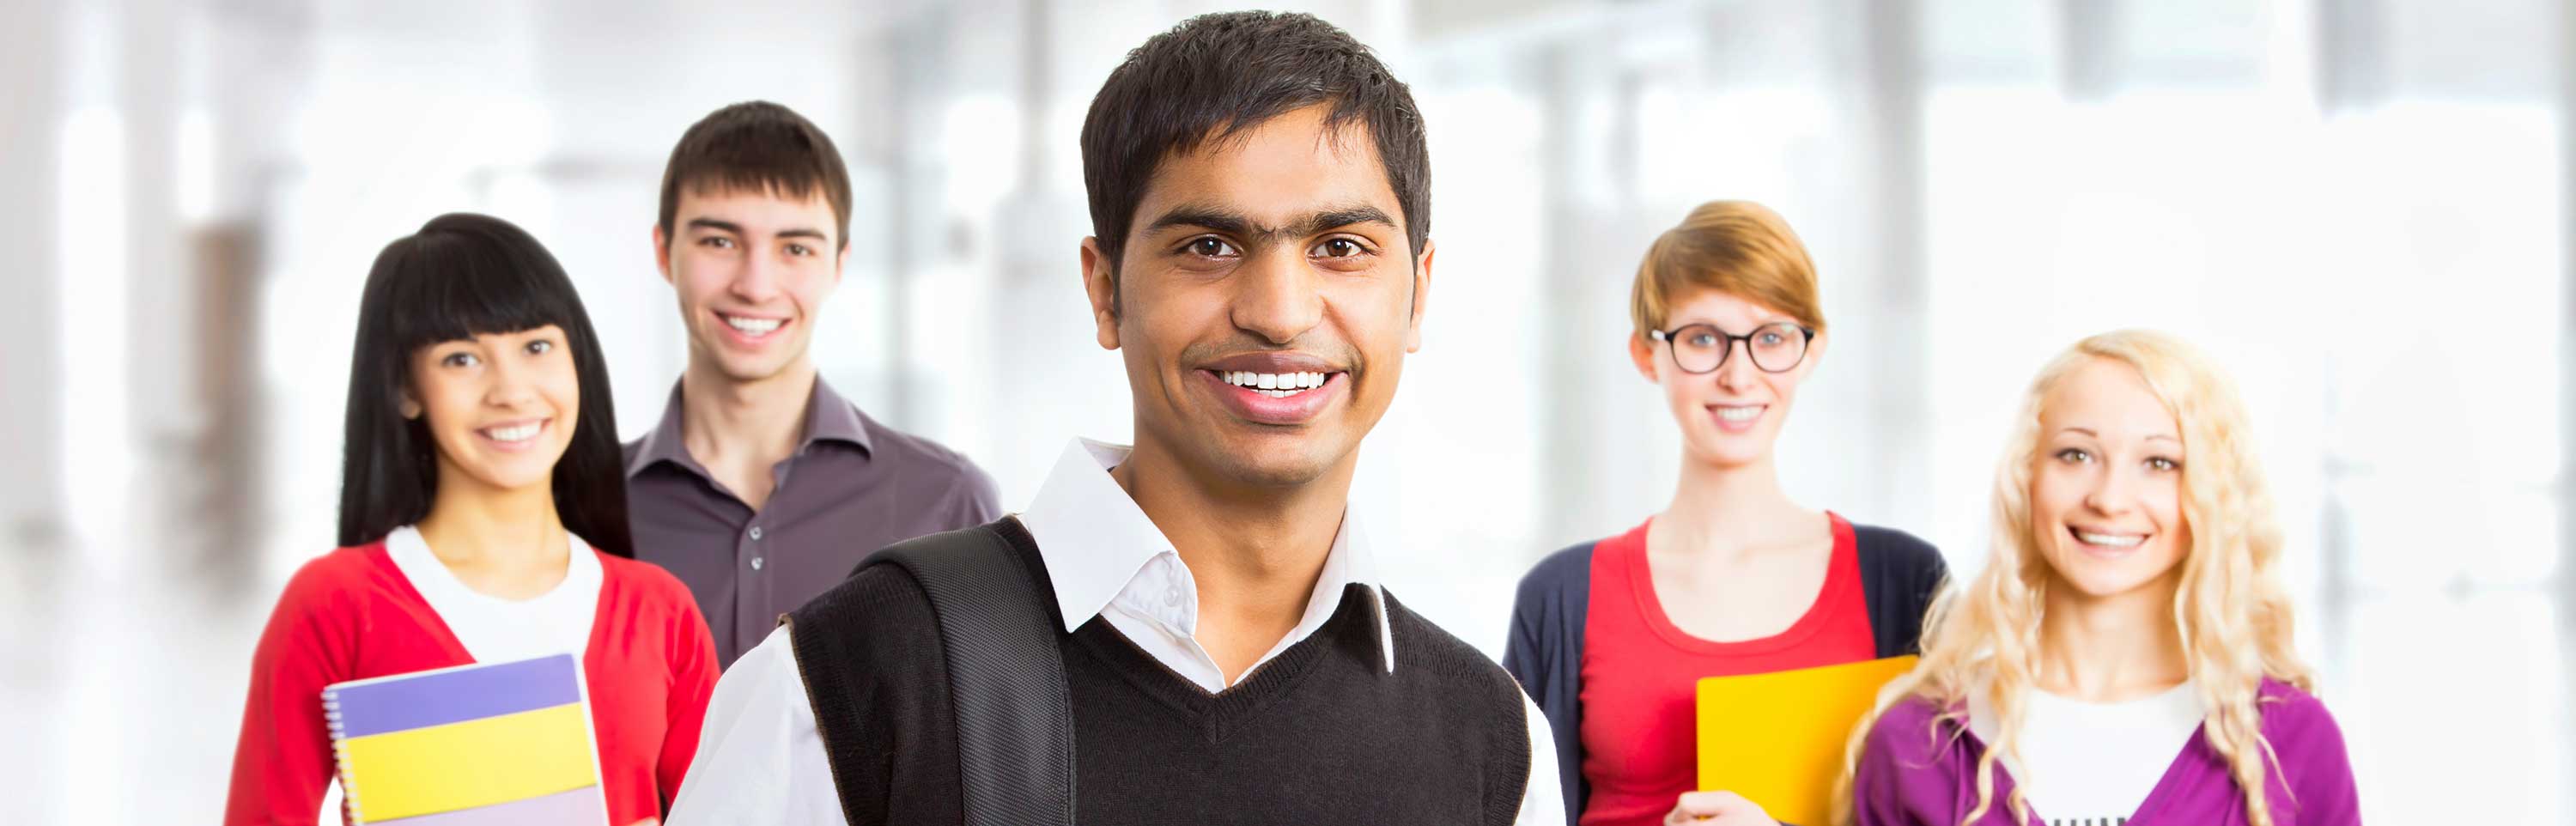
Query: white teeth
pixel 1275 384
pixel 1739 414
pixel 520 433
pixel 2109 540
pixel 753 326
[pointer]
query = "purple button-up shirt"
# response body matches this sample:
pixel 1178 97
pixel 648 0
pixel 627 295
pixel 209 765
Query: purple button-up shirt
pixel 852 486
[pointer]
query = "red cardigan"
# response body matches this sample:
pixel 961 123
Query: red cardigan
pixel 351 614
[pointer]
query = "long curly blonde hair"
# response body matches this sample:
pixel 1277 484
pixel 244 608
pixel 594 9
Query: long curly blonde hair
pixel 2230 607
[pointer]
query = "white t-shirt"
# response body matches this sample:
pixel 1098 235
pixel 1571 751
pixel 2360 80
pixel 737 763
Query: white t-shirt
pixel 496 630
pixel 2093 763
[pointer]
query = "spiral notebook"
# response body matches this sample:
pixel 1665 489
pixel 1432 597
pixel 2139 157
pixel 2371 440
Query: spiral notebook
pixel 1778 738
pixel 497 744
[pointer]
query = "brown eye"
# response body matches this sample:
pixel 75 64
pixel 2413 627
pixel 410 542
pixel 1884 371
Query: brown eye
pixel 1211 247
pixel 457 360
pixel 540 347
pixel 1340 248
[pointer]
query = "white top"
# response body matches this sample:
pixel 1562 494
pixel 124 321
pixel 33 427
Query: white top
pixel 760 759
pixel 2093 762
pixel 496 630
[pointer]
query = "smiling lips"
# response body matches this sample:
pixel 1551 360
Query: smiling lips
pixel 751 328
pixel 1278 388
pixel 1737 418
pixel 2106 542
pixel 514 436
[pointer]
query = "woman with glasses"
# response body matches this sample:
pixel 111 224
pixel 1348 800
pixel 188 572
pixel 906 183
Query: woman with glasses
pixel 1733 577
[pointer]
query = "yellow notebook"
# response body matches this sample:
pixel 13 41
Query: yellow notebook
pixel 1778 738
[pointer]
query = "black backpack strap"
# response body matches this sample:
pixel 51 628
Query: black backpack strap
pixel 998 635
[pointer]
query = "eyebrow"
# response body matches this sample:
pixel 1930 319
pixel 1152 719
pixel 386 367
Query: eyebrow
pixel 734 228
pixel 2089 432
pixel 1235 223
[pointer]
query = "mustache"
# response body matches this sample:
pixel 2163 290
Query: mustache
pixel 1335 351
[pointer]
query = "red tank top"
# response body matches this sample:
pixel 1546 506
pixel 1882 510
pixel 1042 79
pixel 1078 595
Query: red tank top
pixel 1640 673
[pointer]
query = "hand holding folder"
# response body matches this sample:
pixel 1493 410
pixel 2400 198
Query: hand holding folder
pixel 1777 739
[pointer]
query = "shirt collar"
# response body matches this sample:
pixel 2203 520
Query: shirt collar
pixel 828 417
pixel 1094 541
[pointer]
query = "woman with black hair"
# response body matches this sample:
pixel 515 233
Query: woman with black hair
pixel 482 519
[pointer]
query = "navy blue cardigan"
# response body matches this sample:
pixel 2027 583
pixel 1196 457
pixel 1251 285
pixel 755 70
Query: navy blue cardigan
pixel 1898 576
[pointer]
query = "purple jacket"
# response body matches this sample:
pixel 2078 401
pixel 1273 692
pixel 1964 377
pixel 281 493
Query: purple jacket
pixel 1909 776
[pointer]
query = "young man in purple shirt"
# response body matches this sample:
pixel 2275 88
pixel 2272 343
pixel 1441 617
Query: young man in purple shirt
pixel 761 487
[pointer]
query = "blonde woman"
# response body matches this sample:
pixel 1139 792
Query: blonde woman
pixel 2125 656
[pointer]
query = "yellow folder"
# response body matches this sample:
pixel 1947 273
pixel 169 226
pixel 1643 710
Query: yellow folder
pixel 1777 738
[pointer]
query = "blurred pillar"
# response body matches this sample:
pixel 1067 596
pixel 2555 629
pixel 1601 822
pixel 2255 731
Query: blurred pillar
pixel 2566 608
pixel 1590 177
pixel 918 239
pixel 31 121
pixel 2352 54
pixel 1893 85
pixel 166 407
pixel 2089 38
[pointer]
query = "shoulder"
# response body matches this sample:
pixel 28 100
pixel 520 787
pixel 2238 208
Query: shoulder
pixel 877 599
pixel 333 582
pixel 1566 570
pixel 2292 716
pixel 918 453
pixel 1894 547
pixel 1422 644
pixel 331 576
pixel 644 578
pixel 1910 733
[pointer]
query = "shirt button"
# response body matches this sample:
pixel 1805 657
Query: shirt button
pixel 755 533
pixel 1172 597
pixel 755 563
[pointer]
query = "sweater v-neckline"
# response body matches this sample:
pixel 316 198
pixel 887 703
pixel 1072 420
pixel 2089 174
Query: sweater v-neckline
pixel 2147 808
pixel 1216 715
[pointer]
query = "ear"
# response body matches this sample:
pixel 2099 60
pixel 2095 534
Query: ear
pixel 662 253
pixel 1815 354
pixel 840 261
pixel 1100 284
pixel 1421 297
pixel 1642 353
pixel 409 407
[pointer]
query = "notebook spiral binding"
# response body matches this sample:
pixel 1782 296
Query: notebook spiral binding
pixel 340 756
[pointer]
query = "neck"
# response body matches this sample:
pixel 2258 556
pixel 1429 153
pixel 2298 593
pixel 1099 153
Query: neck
pixel 756 422
pixel 471 524
pixel 1256 551
pixel 2114 648
pixel 1722 508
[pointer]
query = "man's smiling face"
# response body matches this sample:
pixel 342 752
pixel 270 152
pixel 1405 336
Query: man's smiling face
pixel 1264 301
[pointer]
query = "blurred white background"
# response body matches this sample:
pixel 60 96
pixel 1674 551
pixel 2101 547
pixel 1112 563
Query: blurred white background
pixel 2363 206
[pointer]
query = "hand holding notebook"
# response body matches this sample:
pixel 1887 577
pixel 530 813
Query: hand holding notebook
pixel 490 744
pixel 1777 739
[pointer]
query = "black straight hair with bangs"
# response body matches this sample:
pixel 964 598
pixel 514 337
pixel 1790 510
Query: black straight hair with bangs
pixel 460 276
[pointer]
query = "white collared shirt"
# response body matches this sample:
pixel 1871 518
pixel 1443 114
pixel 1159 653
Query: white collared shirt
pixel 761 759
pixel 496 630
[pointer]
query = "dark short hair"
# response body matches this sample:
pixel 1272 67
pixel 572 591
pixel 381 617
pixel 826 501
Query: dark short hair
pixel 1216 75
pixel 460 276
pixel 757 146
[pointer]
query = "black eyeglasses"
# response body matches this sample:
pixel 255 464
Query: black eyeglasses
pixel 1702 348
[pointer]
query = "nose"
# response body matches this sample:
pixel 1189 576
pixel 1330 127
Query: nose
pixel 509 385
pixel 2112 493
pixel 1276 296
pixel 756 281
pixel 1735 371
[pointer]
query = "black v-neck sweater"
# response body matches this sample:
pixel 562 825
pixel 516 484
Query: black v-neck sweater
pixel 1321 734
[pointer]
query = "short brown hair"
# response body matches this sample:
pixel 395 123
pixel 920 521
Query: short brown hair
pixel 1740 248
pixel 757 146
